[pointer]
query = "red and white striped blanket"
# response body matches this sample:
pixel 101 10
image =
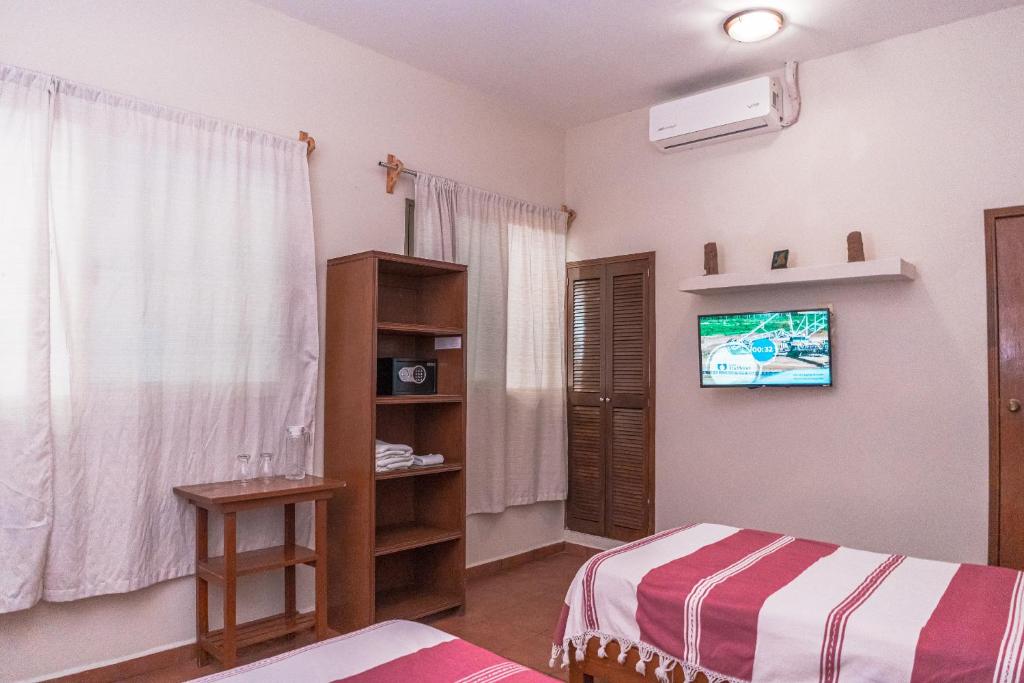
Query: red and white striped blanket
pixel 385 653
pixel 740 605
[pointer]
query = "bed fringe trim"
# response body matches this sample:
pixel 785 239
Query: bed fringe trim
pixel 663 671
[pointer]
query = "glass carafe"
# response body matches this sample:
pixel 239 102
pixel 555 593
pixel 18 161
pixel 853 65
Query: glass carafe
pixel 296 442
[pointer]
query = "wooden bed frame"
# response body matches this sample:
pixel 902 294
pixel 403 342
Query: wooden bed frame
pixel 608 668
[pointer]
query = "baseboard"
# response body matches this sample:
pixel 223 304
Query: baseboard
pixel 581 550
pixel 128 668
pixel 157 659
pixel 512 561
pixel 591 541
pixel 505 563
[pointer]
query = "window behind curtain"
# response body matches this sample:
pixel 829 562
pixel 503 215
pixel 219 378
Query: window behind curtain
pixel 178 329
pixel 410 226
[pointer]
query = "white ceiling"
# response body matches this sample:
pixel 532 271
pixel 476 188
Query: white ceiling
pixel 574 61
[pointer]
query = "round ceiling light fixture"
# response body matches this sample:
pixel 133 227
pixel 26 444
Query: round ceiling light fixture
pixel 752 25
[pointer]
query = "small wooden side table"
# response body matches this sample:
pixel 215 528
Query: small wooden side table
pixel 230 498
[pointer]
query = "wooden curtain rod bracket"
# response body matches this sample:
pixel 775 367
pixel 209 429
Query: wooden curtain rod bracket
pixel 309 140
pixel 395 168
pixel 571 218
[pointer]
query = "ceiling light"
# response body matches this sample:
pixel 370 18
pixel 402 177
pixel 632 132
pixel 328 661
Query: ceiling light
pixel 752 25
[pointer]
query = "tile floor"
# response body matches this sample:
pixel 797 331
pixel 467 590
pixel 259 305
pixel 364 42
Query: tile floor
pixel 512 613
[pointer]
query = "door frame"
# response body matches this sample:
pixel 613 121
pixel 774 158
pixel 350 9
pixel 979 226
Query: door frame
pixel 649 460
pixel 994 403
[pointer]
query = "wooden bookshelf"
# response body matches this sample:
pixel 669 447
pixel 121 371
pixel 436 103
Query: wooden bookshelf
pixel 398 538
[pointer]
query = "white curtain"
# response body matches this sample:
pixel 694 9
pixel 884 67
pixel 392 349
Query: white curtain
pixel 26 498
pixel 515 253
pixel 165 280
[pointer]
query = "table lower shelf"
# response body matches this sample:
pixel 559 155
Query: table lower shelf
pixel 257 631
pixel 253 561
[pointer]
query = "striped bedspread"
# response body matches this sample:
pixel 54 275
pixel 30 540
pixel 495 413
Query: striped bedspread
pixel 387 652
pixel 745 605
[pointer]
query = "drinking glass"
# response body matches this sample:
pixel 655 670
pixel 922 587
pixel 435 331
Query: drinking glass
pixel 265 469
pixel 244 469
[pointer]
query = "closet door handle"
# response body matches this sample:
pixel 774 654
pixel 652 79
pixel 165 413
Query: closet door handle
pixel 1013 405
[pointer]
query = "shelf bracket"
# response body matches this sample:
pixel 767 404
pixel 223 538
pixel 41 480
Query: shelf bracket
pixel 309 140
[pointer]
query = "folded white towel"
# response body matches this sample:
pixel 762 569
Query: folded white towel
pixel 392 459
pixel 393 451
pixel 431 459
pixel 393 454
pixel 397 465
pixel 385 447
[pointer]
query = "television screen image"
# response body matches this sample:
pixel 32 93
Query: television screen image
pixel 776 348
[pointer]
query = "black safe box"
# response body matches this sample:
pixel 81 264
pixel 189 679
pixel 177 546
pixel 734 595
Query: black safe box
pixel 402 376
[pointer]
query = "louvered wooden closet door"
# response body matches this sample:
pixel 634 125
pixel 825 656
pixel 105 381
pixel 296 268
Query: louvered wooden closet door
pixel 610 321
pixel 626 385
pixel 585 506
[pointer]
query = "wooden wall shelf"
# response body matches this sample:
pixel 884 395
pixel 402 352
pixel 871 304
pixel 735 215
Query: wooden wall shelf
pixel 885 269
pixel 401 533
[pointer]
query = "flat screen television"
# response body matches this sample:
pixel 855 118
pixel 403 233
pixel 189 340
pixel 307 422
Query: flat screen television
pixel 769 349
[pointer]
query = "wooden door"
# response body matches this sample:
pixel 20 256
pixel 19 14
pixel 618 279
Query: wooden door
pixel 585 316
pixel 1004 237
pixel 611 397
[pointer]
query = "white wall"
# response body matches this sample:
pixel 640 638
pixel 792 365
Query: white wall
pixel 247 64
pixel 907 140
pixel 516 530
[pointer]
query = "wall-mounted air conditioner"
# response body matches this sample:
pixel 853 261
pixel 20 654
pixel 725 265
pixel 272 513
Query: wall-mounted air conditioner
pixel 733 111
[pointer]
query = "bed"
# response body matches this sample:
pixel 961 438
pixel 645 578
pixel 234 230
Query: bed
pixel 387 652
pixel 715 603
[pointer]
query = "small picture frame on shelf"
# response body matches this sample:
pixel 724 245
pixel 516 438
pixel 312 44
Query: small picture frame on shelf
pixel 780 259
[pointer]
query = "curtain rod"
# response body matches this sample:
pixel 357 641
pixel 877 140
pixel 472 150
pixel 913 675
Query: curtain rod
pixel 396 168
